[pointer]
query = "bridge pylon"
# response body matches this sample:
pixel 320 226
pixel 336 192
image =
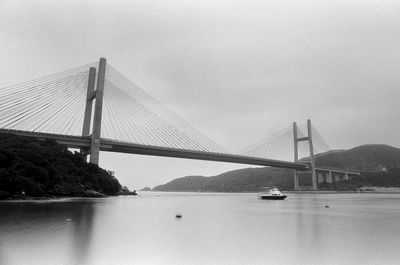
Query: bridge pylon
pixel 98 109
pixel 88 108
pixel 97 95
pixel 311 150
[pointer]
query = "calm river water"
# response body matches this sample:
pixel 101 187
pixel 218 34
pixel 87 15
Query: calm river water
pixel 214 229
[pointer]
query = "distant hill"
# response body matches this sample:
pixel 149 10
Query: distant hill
pixel 369 156
pixel 248 179
pixel 369 159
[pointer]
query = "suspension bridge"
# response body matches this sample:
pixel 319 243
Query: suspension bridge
pixel 96 108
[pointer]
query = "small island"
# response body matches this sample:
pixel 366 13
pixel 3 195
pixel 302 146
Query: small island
pixel 31 168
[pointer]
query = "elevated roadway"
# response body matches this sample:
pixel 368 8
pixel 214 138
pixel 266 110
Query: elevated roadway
pixel 84 142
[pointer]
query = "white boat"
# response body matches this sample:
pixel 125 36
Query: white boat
pixel 271 193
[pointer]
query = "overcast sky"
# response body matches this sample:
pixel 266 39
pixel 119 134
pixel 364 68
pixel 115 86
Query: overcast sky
pixel 237 70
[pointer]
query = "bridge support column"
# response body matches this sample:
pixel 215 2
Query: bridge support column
pixel 321 177
pixel 88 108
pixel 329 179
pixel 98 109
pixel 296 157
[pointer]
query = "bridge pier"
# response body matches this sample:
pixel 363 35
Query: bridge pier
pixel 330 179
pixel 333 176
pixel 98 109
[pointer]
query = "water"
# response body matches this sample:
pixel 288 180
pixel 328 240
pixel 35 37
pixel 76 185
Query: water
pixel 214 229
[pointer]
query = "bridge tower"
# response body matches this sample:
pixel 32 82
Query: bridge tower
pixel 97 95
pixel 296 155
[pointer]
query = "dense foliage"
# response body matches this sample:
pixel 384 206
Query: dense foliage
pixel 44 168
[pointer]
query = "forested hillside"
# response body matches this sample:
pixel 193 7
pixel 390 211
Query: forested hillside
pixel 44 168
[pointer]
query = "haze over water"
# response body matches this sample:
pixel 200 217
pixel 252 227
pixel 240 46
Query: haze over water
pixel 214 229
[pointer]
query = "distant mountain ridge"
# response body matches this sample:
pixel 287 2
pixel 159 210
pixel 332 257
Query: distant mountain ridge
pixel 362 158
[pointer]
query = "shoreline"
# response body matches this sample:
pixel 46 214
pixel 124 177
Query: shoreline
pixel 85 194
pixel 341 192
pixel 52 198
pixel 30 198
pixel 292 191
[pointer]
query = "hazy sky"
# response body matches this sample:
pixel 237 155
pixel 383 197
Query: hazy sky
pixel 237 70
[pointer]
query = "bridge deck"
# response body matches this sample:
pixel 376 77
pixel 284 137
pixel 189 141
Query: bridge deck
pixel 120 147
pixel 340 171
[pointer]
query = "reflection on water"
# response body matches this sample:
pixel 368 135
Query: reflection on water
pixel 46 232
pixel 214 229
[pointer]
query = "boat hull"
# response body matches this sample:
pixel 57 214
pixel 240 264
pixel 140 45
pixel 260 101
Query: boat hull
pixel 269 197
